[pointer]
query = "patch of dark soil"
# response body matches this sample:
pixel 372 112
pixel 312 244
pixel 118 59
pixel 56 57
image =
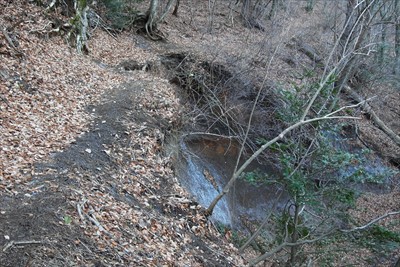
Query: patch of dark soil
pixel 129 65
pixel 207 257
pixel 34 227
pixel 88 152
pixel 33 232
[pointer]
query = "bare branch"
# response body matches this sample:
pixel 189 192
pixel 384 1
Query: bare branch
pixel 16 243
pixel 371 222
pixel 375 118
pixel 309 241
pixel 256 233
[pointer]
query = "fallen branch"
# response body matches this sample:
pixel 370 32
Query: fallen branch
pixel 90 217
pixel 17 243
pixel 367 108
pixel 79 209
pixel 10 41
pixel 98 224
pixel 205 135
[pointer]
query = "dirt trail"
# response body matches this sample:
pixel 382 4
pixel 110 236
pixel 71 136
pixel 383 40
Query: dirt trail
pixel 39 216
pixel 62 219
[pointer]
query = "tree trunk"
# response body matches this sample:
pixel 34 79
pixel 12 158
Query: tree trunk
pixel 348 27
pixel 381 51
pixel 397 38
pixel 151 23
pixel 80 26
pixel 295 235
pixel 153 18
pixel 175 12
pixel 310 5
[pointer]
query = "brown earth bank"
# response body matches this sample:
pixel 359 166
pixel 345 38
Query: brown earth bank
pixel 84 178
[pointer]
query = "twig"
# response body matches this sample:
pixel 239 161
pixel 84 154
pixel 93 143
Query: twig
pixel 256 233
pixel 98 224
pixel 83 244
pixel 309 241
pixel 10 42
pixel 371 222
pixel 389 132
pixel 78 207
pixel 16 243
pixel 40 30
pixel 209 134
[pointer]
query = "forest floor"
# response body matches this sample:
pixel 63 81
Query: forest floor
pixel 84 178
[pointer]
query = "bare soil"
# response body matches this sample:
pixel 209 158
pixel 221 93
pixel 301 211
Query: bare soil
pixel 34 225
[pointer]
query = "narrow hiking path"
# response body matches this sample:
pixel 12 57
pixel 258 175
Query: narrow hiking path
pixel 84 179
pixel 110 198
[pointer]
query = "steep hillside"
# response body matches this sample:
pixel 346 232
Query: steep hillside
pixel 84 176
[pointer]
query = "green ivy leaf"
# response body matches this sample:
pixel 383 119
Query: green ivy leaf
pixel 67 220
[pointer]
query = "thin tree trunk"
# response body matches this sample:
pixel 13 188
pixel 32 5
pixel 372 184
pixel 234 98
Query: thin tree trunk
pixel 345 38
pixel 362 19
pixel 397 38
pixel 81 26
pixel 295 235
pixel 175 12
pixel 151 23
pixel 381 54
pixel 166 11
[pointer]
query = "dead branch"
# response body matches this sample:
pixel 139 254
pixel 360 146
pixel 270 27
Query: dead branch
pixel 79 209
pixel 307 50
pixel 98 224
pixel 17 243
pixel 210 136
pixel 367 108
pixel 10 41
pixel 371 222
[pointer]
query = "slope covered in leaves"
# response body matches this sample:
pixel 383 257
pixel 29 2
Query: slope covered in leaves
pixel 81 139
pixel 81 168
